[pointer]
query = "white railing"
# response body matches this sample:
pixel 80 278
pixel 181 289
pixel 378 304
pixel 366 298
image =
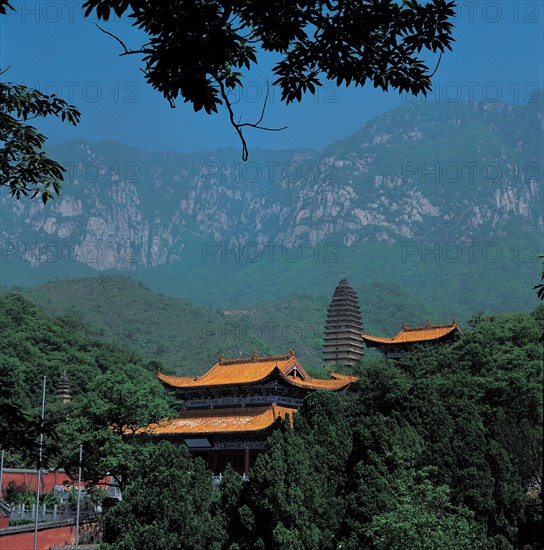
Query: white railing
pixel 218 479
pixel 23 511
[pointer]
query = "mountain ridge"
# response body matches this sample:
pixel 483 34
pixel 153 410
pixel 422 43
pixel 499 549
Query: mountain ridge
pixel 221 232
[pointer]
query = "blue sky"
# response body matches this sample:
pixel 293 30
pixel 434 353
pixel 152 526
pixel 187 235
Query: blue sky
pixel 498 54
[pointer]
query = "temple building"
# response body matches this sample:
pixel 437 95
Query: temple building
pixel 343 328
pixel 409 337
pixel 231 410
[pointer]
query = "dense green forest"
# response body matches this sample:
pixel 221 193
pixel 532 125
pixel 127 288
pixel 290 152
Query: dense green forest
pixel 441 449
pixel 456 279
pixel 188 338
pixel 111 384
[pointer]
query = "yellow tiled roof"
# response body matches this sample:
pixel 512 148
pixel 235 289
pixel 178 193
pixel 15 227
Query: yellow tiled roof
pixel 233 371
pixel 255 369
pixel 337 382
pixel 210 421
pixel 415 334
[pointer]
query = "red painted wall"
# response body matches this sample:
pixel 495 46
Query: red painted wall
pixel 30 479
pixel 4 522
pixel 57 536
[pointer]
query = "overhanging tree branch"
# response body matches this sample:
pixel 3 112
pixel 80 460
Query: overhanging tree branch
pixel 194 46
pixel 238 126
pixel 24 168
pixel 127 51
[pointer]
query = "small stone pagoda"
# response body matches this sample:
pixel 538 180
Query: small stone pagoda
pixel 64 391
pixel 343 328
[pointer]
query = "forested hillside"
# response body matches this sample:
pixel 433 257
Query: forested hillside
pixel 448 437
pixel 110 381
pixel 188 338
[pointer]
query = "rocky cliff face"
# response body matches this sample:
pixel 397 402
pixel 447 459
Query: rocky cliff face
pixel 423 171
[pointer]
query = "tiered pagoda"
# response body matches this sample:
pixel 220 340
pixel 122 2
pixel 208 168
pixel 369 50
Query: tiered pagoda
pixel 230 411
pixel 343 340
pixel 64 391
pixel 407 339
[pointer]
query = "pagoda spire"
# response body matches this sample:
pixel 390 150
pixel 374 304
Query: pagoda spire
pixel 343 328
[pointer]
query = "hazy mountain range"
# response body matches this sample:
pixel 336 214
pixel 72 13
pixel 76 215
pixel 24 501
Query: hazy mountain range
pixel 444 199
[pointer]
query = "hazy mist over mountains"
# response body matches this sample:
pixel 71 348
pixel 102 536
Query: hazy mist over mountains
pixel 443 199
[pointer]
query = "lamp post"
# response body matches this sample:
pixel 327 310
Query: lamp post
pixel 42 419
pixel 1 471
pixel 78 495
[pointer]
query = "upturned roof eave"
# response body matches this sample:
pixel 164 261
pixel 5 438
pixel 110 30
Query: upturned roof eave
pixel 403 336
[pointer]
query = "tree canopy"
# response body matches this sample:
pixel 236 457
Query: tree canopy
pixel 108 420
pixel 115 392
pixel 196 47
pixel 172 504
pixel 24 166
pixel 440 449
pixel 197 50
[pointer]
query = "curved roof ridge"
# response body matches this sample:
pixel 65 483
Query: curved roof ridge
pixel 255 372
pixel 173 378
pixel 204 422
pixel 256 359
pixel 236 371
pixel 338 376
pixel 453 324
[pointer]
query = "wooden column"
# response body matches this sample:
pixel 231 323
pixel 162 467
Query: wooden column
pixel 246 462
pixel 215 460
